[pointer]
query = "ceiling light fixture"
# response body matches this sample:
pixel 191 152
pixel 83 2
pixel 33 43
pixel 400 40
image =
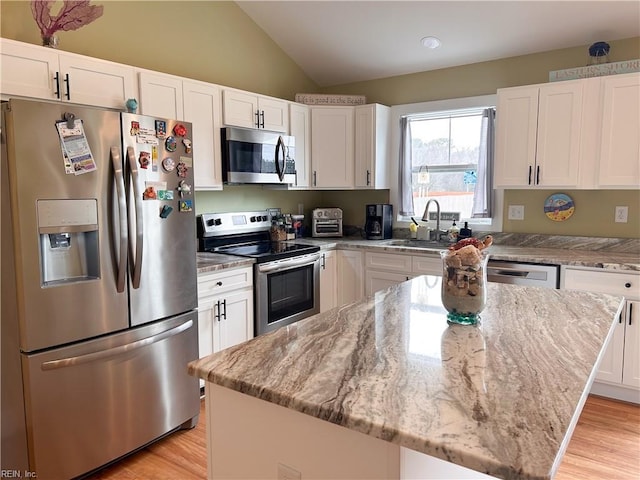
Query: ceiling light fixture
pixel 430 42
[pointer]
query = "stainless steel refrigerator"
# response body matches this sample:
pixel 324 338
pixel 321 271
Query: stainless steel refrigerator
pixel 98 285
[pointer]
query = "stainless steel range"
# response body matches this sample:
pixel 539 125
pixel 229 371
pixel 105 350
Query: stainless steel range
pixel 286 275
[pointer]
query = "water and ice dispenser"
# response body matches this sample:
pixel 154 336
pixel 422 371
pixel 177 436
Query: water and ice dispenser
pixel 68 232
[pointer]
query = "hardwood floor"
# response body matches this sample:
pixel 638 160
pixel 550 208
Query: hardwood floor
pixel 605 446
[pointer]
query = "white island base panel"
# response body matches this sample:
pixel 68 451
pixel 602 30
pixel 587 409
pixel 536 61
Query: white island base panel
pixel 249 438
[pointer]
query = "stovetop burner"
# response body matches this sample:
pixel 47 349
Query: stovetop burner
pixel 267 251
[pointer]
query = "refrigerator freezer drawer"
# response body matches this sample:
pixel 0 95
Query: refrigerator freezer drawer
pixel 93 402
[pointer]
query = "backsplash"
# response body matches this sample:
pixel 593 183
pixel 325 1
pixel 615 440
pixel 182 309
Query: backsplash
pixel 594 214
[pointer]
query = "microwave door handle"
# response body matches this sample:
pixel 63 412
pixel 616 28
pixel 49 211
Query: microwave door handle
pixel 116 160
pixel 280 167
pixel 137 202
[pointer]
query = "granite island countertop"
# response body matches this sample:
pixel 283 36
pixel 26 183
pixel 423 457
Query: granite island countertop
pixel 502 397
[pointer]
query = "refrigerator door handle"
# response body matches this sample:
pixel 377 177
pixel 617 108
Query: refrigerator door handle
pixel 137 202
pixel 122 213
pixel 114 352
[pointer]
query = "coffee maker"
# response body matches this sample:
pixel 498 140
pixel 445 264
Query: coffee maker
pixel 378 221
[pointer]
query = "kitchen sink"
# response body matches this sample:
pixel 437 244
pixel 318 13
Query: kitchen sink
pixel 413 243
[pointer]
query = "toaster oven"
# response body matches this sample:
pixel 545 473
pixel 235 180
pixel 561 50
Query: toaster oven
pixel 326 222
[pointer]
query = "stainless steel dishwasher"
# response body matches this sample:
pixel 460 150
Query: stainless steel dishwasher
pixel 528 274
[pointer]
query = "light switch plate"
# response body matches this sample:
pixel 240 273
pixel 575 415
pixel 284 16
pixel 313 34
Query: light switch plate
pixel 516 212
pixel 622 214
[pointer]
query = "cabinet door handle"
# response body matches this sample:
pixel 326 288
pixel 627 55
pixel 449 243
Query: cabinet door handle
pixel 368 178
pixel 57 79
pixel 216 311
pixel 315 183
pixel 224 311
pixel 530 170
pixel 257 114
pixel 66 80
pixel 323 265
pixel 538 175
pixel 630 312
pixel 262 116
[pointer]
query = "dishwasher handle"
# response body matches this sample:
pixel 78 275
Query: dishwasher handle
pixel 523 274
pixel 510 272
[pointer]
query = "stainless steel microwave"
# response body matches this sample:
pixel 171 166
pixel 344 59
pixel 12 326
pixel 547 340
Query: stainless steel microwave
pixel 257 156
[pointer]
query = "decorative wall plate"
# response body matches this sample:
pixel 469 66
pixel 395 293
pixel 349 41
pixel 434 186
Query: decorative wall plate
pixel 558 207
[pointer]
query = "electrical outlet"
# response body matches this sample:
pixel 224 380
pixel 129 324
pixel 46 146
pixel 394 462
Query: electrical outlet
pixel 621 214
pixel 287 473
pixel 516 212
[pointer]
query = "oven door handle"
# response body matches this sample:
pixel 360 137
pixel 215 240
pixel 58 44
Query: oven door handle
pixel 280 265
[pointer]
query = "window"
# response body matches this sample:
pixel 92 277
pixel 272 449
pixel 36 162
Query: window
pixel 448 157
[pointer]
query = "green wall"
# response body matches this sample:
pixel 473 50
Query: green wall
pixel 249 197
pixel 480 78
pixel 593 215
pixel 216 42
pixel 210 41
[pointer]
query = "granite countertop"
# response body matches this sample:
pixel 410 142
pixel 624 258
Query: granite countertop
pixel 501 397
pixel 213 262
pixel 591 253
pixel 558 254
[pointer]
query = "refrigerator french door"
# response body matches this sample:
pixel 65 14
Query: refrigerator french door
pixel 99 230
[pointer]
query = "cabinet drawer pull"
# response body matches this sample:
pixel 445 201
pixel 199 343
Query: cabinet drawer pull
pixel 219 283
pixel 627 285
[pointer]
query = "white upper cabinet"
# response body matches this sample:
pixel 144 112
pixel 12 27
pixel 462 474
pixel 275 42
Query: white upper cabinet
pixel 40 72
pixel 538 135
pixel 202 109
pixel 620 142
pixel 372 142
pixel 300 129
pixel 248 110
pixel 161 95
pixel 196 102
pixel 332 147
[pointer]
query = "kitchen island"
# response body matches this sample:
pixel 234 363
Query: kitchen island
pixel 384 388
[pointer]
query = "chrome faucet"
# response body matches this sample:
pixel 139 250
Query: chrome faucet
pixel 425 218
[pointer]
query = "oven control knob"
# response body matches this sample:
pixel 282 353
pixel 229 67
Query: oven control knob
pixel 209 223
pixel 218 221
pixel 252 219
pixel 264 218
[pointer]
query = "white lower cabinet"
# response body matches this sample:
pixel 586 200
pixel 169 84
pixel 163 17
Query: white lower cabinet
pixel 619 372
pixel 328 280
pixel 382 270
pixel 225 309
pixel 350 270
